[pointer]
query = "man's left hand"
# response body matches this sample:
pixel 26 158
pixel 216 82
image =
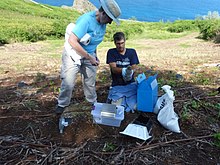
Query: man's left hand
pixel 127 73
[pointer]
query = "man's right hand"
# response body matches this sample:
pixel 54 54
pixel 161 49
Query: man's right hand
pixel 93 60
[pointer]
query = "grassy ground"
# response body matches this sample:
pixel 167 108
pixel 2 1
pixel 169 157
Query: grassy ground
pixel 183 55
pixel 189 65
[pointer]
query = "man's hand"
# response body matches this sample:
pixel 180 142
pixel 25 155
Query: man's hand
pixel 127 73
pixel 94 60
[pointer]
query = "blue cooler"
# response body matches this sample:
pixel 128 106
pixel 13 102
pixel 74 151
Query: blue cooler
pixel 147 94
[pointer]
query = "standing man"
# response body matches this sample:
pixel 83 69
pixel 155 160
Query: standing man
pixel 80 55
pixel 122 62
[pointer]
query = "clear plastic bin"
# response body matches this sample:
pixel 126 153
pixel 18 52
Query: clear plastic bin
pixel 108 114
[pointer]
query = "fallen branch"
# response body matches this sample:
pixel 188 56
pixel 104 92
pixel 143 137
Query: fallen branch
pixel 97 157
pixel 117 157
pixel 47 157
pixel 173 141
pixel 152 146
pixel 17 142
pixel 27 116
pixel 209 97
pixel 72 155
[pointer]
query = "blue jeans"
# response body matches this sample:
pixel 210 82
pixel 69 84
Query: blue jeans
pixel 69 71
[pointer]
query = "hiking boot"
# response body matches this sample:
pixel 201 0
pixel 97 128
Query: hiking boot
pixel 59 110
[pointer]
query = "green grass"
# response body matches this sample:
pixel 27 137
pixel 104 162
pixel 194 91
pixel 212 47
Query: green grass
pixel 217 139
pixel 185 45
pixel 202 79
pixel 28 8
pixel 25 21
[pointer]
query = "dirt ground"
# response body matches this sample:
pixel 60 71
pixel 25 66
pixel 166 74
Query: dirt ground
pixel 29 78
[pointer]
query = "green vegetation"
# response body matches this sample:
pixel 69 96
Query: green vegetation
pixel 180 26
pixel 217 139
pixel 186 115
pixel 194 106
pixel 209 29
pixel 202 79
pixel 30 104
pixel 40 77
pixel 109 147
pixel 26 21
pixel 209 26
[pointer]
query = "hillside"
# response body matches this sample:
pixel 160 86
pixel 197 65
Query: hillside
pixel 83 5
pixel 26 21
pixel 30 84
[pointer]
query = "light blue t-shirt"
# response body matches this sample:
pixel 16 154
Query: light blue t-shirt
pixel 87 23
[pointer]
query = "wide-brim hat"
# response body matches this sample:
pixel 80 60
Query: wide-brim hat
pixel 112 9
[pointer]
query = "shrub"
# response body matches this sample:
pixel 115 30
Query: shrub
pixel 181 26
pixel 58 28
pixel 209 29
pixel 209 26
pixel 217 38
pixel 25 21
pixel 129 28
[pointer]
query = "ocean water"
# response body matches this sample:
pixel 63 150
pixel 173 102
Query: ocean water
pixel 155 10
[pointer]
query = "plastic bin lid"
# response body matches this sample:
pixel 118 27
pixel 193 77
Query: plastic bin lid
pixel 108 110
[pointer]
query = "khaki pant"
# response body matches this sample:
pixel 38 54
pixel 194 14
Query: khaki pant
pixel 69 71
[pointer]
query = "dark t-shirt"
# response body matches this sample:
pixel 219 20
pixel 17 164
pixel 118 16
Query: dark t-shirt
pixel 122 61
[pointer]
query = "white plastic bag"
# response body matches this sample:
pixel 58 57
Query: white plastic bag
pixel 84 40
pixel 69 49
pixel 165 110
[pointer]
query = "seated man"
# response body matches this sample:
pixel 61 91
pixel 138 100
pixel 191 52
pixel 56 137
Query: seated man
pixel 122 62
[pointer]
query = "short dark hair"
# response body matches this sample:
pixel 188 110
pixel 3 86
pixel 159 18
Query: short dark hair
pixel 118 36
